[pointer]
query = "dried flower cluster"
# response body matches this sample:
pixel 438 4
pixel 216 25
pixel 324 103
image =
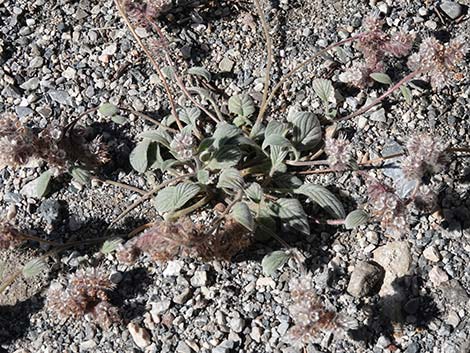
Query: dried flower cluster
pixel 438 61
pixel 141 12
pixel 387 207
pixel 59 147
pixel 375 45
pixel 9 235
pixel 183 145
pixel 426 154
pixel 339 152
pixel 310 315
pixel 86 293
pixel 167 240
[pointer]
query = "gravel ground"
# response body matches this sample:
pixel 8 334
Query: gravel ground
pixel 59 58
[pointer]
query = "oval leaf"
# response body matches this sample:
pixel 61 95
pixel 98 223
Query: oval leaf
pixel 323 88
pixel 242 214
pixel 119 119
pixel 307 130
pixel 139 156
pixel 81 175
pixel 355 219
pixel 110 245
pixel 200 71
pixel 34 267
pixel 381 77
pixel 173 198
pixel 405 91
pixel 291 212
pixel 241 105
pixel 230 178
pixel 108 109
pixel 324 198
pixel 203 176
pixel 40 185
pixel 254 192
pixel 275 261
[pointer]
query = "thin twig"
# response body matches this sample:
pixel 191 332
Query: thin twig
pixel 222 216
pixel 269 61
pixel 152 120
pixel 392 89
pixel 301 66
pixel 148 195
pixel 121 185
pixel 152 60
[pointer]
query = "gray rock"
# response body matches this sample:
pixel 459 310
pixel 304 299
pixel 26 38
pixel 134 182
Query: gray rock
pixel 237 324
pixel 115 277
pixel 226 65
pixel 182 347
pixel 23 111
pixel 452 9
pixel 412 348
pixel 378 116
pixel 199 279
pixel 395 258
pixel 160 307
pixel 438 276
pixel 140 335
pixel 173 268
pixel 61 97
pixel 182 297
pixel 432 254
pixel 50 211
pixel 36 62
pixel 31 84
pixel 364 278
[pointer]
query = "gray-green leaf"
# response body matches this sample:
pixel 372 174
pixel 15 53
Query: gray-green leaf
pixel 108 109
pixel 227 156
pixel 291 212
pixel 242 214
pixel 81 175
pixel 223 133
pixel 34 267
pixel 119 119
pixel 110 245
pixel 203 176
pixel 42 184
pixel 241 105
pixel 275 140
pixel 156 136
pixel 307 130
pixel 200 71
pixel 355 219
pixel 230 178
pixel 173 198
pixel 254 192
pixel 275 261
pixel 324 198
pixel 405 91
pixel 323 88
pixel 381 77
pixel 139 156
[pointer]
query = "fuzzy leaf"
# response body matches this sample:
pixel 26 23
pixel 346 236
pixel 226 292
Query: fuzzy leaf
pixel 324 198
pixel 173 198
pixel 110 245
pixel 156 136
pixel 241 105
pixel 223 133
pixel 40 185
pixel 274 261
pixel 81 175
pixel 108 109
pixel 242 214
pixel 200 71
pixel 291 212
pixel 381 78
pixel 275 140
pixel 287 180
pixel 190 115
pixel 139 156
pixel 203 176
pixel 355 219
pixel 275 127
pixel 160 163
pixel 226 157
pixel 168 72
pixel 254 192
pixel 307 130
pixel 119 119
pixel 230 178
pixel 323 88
pixel 34 267
pixel 405 91
pixel 277 156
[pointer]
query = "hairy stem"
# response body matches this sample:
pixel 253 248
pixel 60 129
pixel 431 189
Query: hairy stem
pixel 148 118
pixel 156 66
pixel 392 89
pixel 121 185
pixel 298 68
pixel 269 62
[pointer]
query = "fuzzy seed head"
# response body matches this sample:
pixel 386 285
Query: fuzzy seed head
pixel 183 145
pixel 438 61
pixel 426 154
pixel 16 142
pixel 339 153
pixel 309 314
pixel 9 236
pixel 387 208
pixel 425 199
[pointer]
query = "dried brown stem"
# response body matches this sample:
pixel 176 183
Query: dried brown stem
pixel 149 55
pixel 121 185
pixel 148 118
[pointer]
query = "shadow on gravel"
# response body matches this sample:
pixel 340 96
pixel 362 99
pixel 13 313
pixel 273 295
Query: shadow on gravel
pixel 133 284
pixel 15 319
pixel 390 314
pixel 456 214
